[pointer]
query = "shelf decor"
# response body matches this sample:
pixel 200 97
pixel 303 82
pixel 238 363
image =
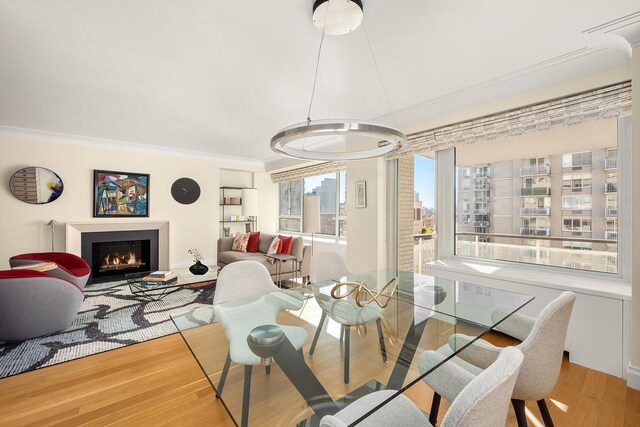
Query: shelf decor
pixel 238 210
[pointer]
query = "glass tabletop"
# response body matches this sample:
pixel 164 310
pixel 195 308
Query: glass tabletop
pixel 137 284
pixel 356 351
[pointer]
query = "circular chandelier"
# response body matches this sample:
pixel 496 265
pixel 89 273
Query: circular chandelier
pixel 387 139
pixel 338 17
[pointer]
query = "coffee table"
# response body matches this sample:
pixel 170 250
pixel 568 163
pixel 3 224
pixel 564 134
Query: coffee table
pixel 157 291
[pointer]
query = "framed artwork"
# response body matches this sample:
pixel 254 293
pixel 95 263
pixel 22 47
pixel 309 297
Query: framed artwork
pixel 361 194
pixel 120 194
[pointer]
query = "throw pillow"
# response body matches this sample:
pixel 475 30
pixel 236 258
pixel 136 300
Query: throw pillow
pixel 254 241
pixel 285 247
pixel 240 242
pixel 273 249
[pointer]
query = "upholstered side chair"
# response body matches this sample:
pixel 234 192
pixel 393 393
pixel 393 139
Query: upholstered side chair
pixel 483 402
pixel 70 267
pixel 542 347
pixel 330 265
pixel 246 298
pixel 33 303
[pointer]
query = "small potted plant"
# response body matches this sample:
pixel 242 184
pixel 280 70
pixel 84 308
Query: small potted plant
pixel 198 268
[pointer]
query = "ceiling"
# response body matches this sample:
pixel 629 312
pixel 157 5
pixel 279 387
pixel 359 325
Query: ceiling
pixel 222 77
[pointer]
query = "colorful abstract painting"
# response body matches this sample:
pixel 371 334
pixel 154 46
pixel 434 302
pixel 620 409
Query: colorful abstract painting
pixel 120 194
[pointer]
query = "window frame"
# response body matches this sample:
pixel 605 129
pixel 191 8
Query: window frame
pixel 339 217
pixel 446 176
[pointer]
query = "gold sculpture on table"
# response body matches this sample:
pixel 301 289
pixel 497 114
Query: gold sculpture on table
pixel 361 292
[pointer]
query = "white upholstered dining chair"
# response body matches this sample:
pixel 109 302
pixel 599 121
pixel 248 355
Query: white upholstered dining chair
pixel 330 265
pixel 246 298
pixel 542 346
pixel 483 402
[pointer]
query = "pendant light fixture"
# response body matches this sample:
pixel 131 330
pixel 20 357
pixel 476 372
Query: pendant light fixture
pixel 338 17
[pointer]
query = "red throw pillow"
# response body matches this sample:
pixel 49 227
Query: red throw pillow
pixel 285 245
pixel 254 241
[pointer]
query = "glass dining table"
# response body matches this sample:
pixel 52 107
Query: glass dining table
pixel 357 350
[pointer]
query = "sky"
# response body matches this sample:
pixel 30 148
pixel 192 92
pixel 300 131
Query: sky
pixel 424 180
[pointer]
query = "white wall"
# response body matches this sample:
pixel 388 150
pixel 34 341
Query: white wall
pixel 366 232
pixel 634 362
pixel 23 226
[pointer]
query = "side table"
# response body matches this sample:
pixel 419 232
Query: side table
pixel 280 258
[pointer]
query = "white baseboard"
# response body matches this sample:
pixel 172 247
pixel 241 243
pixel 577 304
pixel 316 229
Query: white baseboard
pixel 633 377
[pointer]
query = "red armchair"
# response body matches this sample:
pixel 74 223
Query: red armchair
pixel 70 267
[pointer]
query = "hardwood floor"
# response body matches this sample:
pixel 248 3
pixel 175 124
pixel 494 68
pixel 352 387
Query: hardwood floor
pixel 159 383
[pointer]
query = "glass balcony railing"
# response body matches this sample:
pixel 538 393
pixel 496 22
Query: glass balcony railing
pixel 611 163
pixel 535 211
pixel 535 191
pixel 535 170
pixel 611 235
pixel 512 247
pixel 534 231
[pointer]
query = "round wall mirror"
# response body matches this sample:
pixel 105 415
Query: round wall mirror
pixel 36 185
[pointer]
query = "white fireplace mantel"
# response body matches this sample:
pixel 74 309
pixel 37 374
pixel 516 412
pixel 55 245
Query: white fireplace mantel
pixel 75 230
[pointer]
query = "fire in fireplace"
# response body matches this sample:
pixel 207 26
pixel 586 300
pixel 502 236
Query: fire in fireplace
pixel 119 261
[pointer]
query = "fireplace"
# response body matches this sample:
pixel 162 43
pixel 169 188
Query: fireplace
pixel 113 254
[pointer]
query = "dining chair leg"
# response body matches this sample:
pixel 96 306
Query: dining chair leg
pixel 546 415
pixel 347 348
pixel 435 407
pixel 246 394
pixel 318 330
pixel 341 333
pixel 519 408
pixel 223 377
pixel 383 349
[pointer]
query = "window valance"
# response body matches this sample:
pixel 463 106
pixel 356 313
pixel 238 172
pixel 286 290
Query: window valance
pixel 594 105
pixel 319 169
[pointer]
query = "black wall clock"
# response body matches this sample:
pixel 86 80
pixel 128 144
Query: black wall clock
pixel 185 191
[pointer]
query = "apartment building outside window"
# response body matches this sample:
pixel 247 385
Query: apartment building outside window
pixel 556 194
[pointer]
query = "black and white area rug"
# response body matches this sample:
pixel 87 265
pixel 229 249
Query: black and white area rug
pixel 110 317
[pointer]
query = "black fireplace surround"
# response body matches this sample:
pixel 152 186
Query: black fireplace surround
pixel 112 254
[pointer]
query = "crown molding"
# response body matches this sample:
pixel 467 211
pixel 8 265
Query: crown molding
pixel 622 33
pixel 254 165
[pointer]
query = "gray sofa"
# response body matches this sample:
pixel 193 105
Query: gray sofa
pixel 298 248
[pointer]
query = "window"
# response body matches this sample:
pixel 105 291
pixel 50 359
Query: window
pixel 332 191
pixel 538 201
pixel 576 203
pixel 578 246
pixel 576 181
pixel 291 206
pixel 576 224
pixel 576 159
